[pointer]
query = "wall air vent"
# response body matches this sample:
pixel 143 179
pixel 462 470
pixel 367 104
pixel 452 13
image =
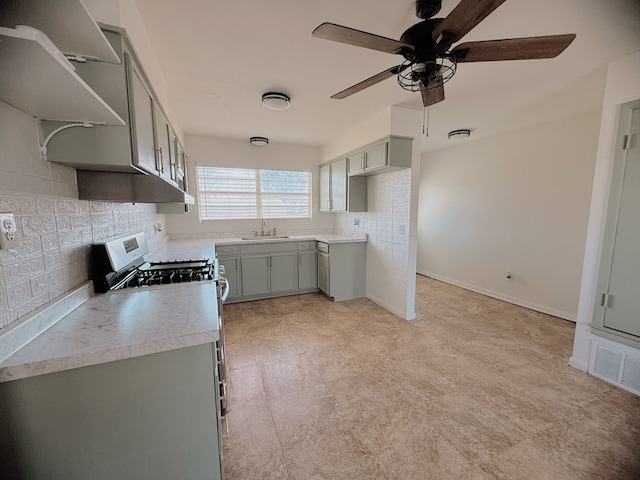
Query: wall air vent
pixel 616 364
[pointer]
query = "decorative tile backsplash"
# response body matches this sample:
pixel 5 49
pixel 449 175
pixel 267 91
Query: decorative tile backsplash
pixel 55 229
pixel 53 252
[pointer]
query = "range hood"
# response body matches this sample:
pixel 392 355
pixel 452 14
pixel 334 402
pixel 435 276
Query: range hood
pixel 129 187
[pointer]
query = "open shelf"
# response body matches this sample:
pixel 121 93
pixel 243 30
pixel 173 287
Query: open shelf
pixel 36 78
pixel 67 23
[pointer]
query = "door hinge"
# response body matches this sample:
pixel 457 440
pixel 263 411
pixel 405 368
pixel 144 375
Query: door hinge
pixel 626 142
pixel 606 300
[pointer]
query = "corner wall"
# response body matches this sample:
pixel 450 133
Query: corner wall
pixel 516 202
pixel 391 214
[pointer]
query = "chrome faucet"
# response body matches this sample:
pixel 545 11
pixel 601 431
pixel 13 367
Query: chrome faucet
pixel 262 231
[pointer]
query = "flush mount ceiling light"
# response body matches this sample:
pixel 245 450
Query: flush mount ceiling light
pixel 276 101
pixel 458 134
pixel 259 141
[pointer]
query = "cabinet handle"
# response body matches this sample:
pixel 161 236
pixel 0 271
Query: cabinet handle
pixel 159 162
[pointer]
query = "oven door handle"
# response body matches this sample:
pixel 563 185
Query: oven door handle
pixel 225 291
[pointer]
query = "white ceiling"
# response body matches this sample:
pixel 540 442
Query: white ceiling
pixel 220 56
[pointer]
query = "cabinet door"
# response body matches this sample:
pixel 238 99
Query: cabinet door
pixel 356 163
pixel 323 272
pixel 307 270
pixel 339 186
pixel 377 156
pixel 232 273
pixel 142 117
pixel 325 185
pixel 283 272
pixel 255 274
pixel 163 143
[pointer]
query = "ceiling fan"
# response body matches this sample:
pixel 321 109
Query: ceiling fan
pixel 429 60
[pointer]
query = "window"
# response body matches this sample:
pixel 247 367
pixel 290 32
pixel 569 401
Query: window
pixel 233 193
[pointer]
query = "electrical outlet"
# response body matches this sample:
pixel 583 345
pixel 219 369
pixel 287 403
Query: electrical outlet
pixel 8 229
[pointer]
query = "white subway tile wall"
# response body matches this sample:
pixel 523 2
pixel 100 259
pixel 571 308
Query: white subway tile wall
pixel 55 229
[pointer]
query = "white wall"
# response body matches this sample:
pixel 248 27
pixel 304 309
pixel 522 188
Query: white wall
pixel 204 150
pixel 622 86
pixel 391 212
pixel 514 202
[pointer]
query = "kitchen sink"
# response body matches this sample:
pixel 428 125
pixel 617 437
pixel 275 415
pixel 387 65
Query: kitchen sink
pixel 265 237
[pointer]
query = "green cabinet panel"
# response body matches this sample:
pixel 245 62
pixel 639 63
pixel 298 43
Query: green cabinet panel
pixel 232 273
pixel 338 191
pixel 269 269
pixel 342 270
pixel 148 417
pixel 283 272
pixel 386 155
pixel 255 275
pixel 307 270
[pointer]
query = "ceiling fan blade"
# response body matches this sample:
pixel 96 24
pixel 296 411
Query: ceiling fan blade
pixel 462 19
pixel 434 92
pixel 368 82
pixel 351 36
pixel 513 48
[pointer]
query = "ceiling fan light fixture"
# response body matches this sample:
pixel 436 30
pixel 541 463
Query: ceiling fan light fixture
pixel 459 134
pixel 259 141
pixel 276 101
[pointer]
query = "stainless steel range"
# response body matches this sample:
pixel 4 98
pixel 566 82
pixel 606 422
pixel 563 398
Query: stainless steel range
pixel 119 264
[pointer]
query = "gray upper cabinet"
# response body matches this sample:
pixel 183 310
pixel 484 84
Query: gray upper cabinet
pixel 386 155
pixel 132 148
pixel 142 111
pixel 165 142
pixel 145 145
pixel 338 200
pixel 338 192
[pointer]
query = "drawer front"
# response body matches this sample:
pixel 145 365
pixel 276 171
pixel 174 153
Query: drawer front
pixel 227 249
pixel 268 247
pixel 310 245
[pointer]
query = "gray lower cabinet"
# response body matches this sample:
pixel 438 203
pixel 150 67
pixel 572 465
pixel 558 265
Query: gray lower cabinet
pixel 342 270
pixel 152 416
pixel 307 266
pixel 229 258
pixel 268 273
pixel 270 269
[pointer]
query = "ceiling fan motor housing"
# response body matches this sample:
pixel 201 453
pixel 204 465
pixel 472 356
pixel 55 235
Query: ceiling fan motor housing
pixel 427 8
pixel 419 35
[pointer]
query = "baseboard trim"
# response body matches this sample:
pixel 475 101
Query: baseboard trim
pixel 388 306
pixel 500 296
pixel 579 364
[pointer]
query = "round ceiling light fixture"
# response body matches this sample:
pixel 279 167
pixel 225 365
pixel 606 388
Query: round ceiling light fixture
pixel 458 134
pixel 259 141
pixel 276 101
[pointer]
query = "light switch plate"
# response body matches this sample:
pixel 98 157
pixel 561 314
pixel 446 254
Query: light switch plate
pixel 8 231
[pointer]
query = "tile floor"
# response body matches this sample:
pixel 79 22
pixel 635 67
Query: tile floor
pixel 473 389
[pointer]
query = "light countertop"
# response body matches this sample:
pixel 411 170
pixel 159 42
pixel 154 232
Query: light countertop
pixel 321 237
pixel 120 325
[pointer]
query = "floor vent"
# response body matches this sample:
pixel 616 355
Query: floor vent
pixel 617 367
pixel 631 373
